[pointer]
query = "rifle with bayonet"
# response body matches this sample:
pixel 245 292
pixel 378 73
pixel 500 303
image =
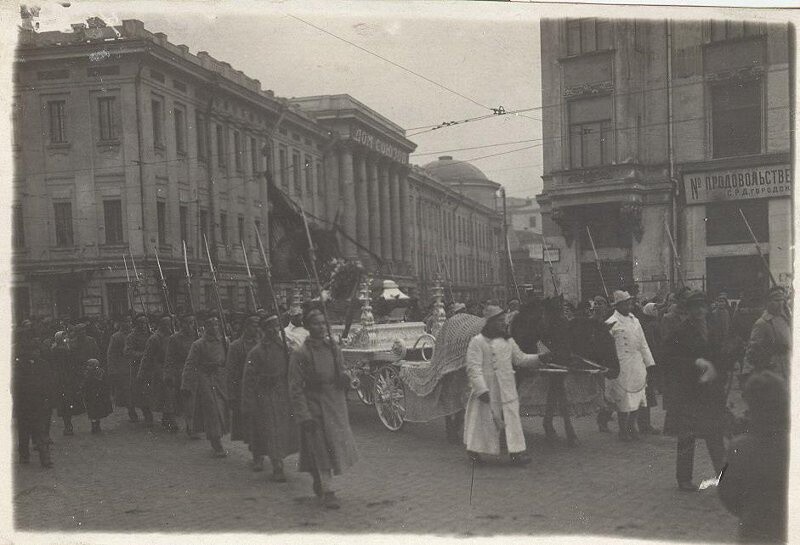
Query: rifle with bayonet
pixel 164 289
pixel 189 285
pixel 597 262
pixel 764 262
pixel 137 290
pixel 222 324
pixel 250 281
pixel 272 291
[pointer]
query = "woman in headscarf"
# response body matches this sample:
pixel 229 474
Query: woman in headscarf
pixel 318 389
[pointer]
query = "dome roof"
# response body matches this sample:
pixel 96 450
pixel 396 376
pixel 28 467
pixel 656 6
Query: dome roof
pixel 448 170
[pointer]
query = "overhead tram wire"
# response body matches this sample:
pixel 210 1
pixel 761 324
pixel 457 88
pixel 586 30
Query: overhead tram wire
pixel 393 63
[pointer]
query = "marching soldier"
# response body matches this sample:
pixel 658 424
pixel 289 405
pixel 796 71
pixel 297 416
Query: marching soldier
pixel 265 401
pixel 204 378
pixel 151 369
pixel 237 356
pixel 133 351
pixel 178 345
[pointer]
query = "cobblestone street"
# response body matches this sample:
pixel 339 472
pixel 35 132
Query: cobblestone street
pixel 132 479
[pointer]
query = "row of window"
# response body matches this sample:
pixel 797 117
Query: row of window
pixel 302 168
pixel 456 228
pixel 723 225
pixel 592 34
pixel 109 130
pixel 736 124
pixel 113 224
pixel 460 269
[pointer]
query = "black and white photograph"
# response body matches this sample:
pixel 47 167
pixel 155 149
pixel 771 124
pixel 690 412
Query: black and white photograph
pixel 305 271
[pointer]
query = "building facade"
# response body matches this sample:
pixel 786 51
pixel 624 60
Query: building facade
pixel 657 134
pixel 525 243
pixel 128 145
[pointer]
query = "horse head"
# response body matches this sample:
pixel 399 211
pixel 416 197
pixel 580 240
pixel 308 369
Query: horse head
pixel 592 340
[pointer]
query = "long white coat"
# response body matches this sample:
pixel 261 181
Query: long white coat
pixel 628 390
pixel 490 369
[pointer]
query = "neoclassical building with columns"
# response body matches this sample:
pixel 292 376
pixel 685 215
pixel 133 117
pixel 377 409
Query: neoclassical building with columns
pixel 128 144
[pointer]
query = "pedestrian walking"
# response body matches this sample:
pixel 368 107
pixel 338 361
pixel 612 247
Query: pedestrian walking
pixel 493 405
pixel 96 393
pixel 85 355
pixel 178 345
pixel 237 357
pixel 697 407
pixel 68 379
pixel 649 321
pixel 133 351
pixel 770 342
pixel 204 377
pixel 265 404
pixel 151 372
pixel 33 387
pixel 753 485
pixel 118 366
pixel 627 391
pixel 318 390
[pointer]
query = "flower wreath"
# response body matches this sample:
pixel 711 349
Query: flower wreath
pixel 344 277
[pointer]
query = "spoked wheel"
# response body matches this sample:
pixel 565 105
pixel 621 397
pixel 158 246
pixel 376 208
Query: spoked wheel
pixel 366 389
pixel 389 398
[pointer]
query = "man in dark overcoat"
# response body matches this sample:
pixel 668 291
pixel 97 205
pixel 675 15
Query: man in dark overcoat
pixel 697 389
pixel 85 355
pixel 265 400
pixel 237 356
pixel 33 388
pixel 133 351
pixel 178 345
pixel 118 367
pixel 151 368
pixel 68 381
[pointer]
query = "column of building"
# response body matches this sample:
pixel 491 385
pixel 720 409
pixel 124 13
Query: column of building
pixel 385 211
pixel 405 222
pixel 362 205
pixel 347 185
pixel 374 205
pixel 397 244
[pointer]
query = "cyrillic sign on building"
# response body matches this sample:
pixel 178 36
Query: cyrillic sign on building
pixel 738 184
pixel 379 145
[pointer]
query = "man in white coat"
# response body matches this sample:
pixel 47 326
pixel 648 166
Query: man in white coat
pixel 627 391
pixel 493 405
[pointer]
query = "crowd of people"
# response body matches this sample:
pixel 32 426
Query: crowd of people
pixel 280 386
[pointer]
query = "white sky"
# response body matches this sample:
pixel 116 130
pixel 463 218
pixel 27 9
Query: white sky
pixel 496 63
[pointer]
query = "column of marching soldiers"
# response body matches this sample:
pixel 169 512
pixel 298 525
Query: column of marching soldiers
pixel 279 386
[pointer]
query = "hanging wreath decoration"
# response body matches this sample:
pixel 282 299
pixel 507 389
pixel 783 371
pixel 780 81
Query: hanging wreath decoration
pixel 344 277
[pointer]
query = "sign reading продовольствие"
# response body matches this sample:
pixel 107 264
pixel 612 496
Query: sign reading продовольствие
pixel 738 184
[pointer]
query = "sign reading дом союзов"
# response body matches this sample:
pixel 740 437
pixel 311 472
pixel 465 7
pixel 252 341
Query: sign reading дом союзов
pixel 738 184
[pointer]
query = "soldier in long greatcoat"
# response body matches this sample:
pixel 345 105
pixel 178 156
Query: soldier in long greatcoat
pixel 265 400
pixel 237 356
pixel 178 345
pixel 133 351
pixel 205 379
pixel 151 369
pixel 119 369
pixel 318 389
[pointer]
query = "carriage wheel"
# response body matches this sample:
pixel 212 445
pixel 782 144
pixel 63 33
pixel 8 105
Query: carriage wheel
pixel 389 398
pixel 366 389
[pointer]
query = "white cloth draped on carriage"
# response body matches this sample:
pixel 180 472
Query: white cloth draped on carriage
pixel 441 387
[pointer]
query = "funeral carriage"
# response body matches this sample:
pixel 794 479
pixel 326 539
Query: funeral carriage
pixel 375 350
